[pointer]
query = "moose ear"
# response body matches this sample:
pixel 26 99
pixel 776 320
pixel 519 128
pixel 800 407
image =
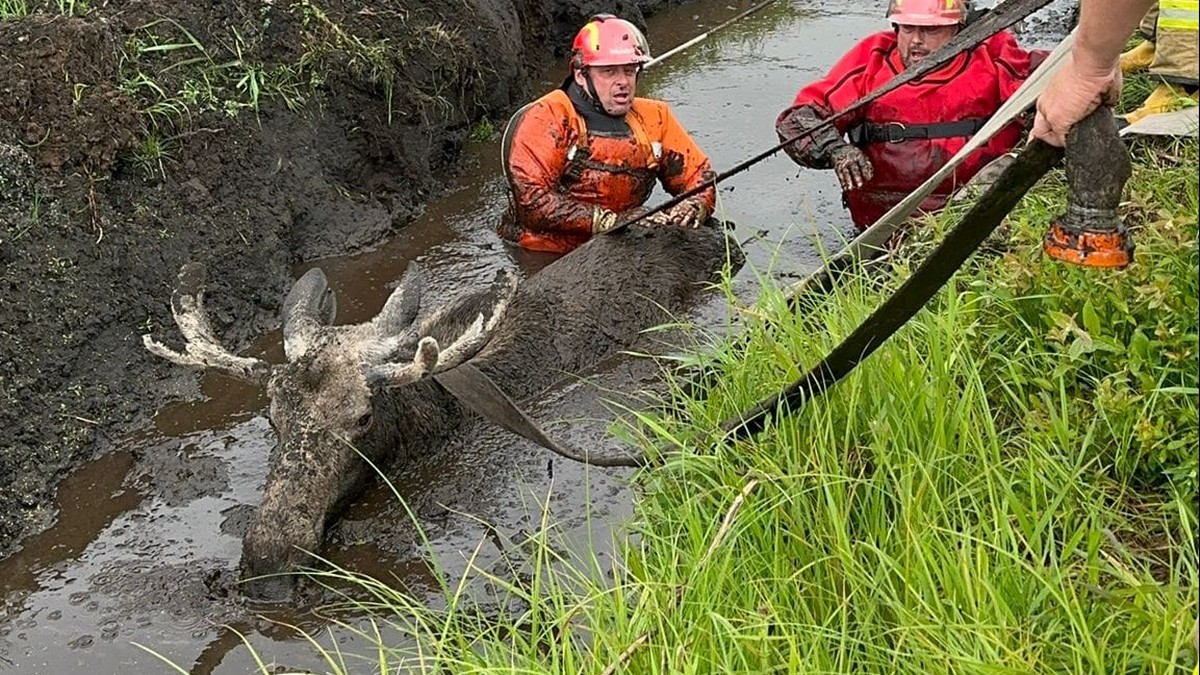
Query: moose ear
pixel 308 306
pixel 401 307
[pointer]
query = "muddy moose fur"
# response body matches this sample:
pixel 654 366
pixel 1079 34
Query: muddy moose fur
pixel 366 389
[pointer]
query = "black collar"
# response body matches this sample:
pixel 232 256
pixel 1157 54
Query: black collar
pixel 598 122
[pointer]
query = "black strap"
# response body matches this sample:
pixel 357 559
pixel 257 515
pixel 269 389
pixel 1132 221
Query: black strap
pixel 934 271
pixel 477 392
pixel 895 132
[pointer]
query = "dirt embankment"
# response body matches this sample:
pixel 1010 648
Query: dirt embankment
pixel 244 134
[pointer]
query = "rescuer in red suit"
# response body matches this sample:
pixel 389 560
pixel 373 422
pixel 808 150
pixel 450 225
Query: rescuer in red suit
pixel 886 149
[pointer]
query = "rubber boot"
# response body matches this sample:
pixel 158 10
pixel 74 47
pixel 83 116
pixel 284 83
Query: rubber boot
pixel 1138 58
pixel 1164 98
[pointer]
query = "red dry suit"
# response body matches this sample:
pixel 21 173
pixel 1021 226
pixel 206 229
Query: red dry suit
pixel 560 170
pixel 894 130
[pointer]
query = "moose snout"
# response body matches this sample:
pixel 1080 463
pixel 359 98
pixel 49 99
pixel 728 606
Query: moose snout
pixel 272 552
pixel 270 588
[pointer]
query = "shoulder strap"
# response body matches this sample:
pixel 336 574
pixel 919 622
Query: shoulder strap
pixel 507 136
pixel 506 139
pixel 634 120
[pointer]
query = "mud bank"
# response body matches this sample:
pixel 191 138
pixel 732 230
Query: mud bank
pixel 247 135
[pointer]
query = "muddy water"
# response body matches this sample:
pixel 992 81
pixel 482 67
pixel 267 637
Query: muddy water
pixel 146 548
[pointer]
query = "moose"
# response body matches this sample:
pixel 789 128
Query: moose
pixel 369 391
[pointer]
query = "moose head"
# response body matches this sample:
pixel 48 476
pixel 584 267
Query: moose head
pixel 354 395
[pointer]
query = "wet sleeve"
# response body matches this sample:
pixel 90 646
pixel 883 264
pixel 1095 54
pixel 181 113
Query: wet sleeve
pixel 684 165
pixel 1012 66
pixel 812 150
pixel 536 163
pixel 1012 63
pixel 844 84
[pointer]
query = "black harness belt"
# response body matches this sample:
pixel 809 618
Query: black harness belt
pixel 896 132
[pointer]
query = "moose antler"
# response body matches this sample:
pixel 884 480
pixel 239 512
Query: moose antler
pixel 202 349
pixel 430 358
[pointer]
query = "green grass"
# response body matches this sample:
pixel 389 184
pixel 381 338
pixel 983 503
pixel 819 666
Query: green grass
pixel 1009 485
pixel 180 73
pixel 13 9
pixel 73 7
pixel 177 76
pixel 483 131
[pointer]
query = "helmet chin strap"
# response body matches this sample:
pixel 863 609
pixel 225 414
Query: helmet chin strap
pixel 590 90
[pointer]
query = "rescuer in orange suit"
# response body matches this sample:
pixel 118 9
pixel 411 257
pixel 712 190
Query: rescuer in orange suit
pixel 587 155
pixel 885 150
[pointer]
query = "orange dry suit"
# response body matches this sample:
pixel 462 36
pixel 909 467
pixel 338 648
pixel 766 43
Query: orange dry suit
pixel 911 132
pixel 564 158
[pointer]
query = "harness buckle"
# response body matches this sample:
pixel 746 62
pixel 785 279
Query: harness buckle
pixel 893 132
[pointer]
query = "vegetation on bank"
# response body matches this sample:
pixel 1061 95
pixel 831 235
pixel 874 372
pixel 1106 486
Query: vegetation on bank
pixel 1009 485
pixel 188 71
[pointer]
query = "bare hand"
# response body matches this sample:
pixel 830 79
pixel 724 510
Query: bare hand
pixel 1071 96
pixel 852 167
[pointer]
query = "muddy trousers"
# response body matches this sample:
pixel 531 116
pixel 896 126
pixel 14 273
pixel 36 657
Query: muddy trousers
pixel 1174 28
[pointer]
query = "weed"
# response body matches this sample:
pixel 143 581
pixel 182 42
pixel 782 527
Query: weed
pixel 151 152
pixel 77 90
pixel 73 7
pixel 191 79
pixel 35 217
pixel 482 131
pixel 59 267
pixel 374 60
pixel 13 9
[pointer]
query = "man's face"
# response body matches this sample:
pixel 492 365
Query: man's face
pixel 917 42
pixel 615 86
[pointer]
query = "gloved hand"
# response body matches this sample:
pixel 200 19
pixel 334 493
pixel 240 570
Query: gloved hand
pixel 634 213
pixel 812 151
pixel 1074 93
pixel 852 167
pixel 602 220
pixel 690 212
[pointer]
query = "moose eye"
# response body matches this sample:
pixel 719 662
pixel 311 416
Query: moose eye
pixel 364 421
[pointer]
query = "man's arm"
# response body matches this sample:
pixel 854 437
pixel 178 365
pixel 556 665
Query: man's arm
pixel 1090 75
pixel 814 150
pixel 817 101
pixel 694 168
pixel 536 163
pixel 683 167
pixel 1104 27
pixel 1012 63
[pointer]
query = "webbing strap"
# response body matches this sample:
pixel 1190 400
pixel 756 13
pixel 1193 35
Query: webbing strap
pixel 897 132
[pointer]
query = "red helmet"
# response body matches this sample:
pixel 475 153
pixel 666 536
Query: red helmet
pixel 609 41
pixel 927 12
